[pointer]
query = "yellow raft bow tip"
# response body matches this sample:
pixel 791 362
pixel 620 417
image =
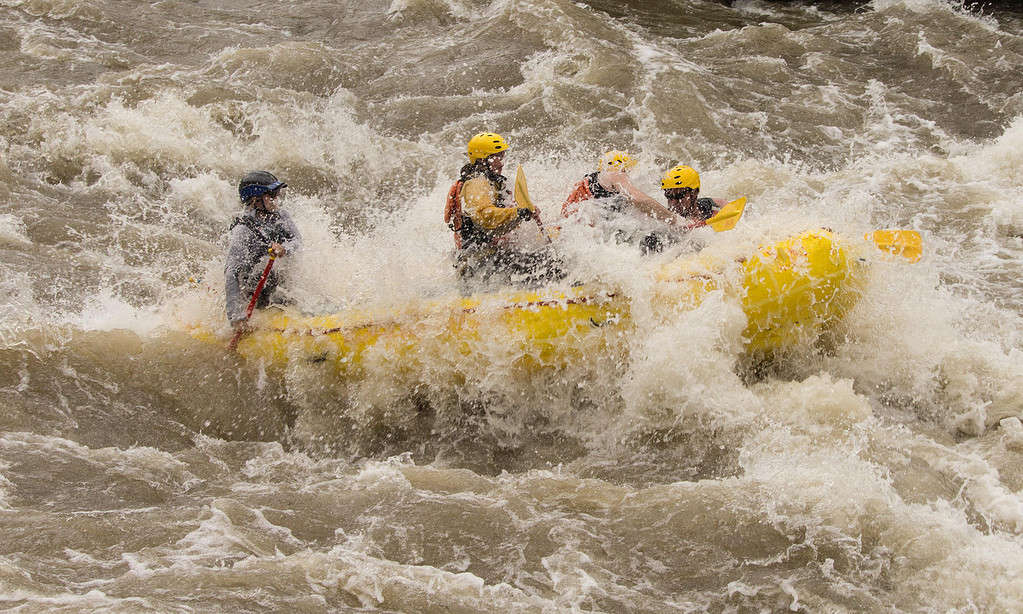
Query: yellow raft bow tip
pixel 905 243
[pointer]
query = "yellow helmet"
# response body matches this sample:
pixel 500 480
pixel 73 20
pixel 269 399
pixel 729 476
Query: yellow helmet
pixel 485 144
pixel 680 176
pixel 616 160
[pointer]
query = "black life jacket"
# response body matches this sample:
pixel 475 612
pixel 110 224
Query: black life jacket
pixel 615 202
pixel 707 207
pixel 597 190
pixel 268 233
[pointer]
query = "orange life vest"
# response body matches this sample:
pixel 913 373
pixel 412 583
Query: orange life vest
pixel 579 193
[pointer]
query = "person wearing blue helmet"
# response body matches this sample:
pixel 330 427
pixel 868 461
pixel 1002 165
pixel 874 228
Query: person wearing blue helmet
pixel 262 230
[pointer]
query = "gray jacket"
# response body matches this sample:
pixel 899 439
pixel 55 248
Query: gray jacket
pixel 248 245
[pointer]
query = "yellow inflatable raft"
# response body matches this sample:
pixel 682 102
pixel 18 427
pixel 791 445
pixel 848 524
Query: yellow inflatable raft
pixel 790 291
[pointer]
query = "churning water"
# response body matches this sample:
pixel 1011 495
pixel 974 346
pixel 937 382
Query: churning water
pixel 144 470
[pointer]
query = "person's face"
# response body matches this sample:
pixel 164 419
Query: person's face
pixel 269 201
pixel 681 200
pixel 496 161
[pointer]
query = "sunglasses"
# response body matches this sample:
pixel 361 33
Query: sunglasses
pixel 678 193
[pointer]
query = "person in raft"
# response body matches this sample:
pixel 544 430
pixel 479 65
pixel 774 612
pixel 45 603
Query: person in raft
pixel 261 230
pixel 681 185
pixel 481 211
pixel 610 195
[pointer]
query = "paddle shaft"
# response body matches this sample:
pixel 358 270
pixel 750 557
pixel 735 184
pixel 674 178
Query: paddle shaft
pixel 252 303
pixel 698 224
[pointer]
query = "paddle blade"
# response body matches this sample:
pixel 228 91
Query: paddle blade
pixel 521 193
pixel 522 198
pixel 905 243
pixel 728 216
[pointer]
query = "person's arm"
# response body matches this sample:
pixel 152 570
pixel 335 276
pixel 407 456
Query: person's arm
pixel 481 206
pixel 620 182
pixel 234 268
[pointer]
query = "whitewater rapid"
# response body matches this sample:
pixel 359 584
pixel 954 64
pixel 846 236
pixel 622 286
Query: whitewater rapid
pixel 143 469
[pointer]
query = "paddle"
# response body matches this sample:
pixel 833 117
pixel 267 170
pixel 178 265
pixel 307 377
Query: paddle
pixel 522 197
pixel 728 216
pixel 905 243
pixel 252 303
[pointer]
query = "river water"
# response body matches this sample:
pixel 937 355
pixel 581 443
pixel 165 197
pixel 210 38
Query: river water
pixel 142 470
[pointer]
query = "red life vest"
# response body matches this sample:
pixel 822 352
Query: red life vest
pixel 579 193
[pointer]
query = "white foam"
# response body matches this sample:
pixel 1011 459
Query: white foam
pixel 12 229
pixel 1012 433
pixel 20 309
pixel 379 583
pixel 6 487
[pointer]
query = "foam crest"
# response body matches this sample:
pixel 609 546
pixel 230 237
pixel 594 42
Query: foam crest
pixel 107 311
pixel 817 400
pixel 56 9
pixel 683 369
pixel 163 129
pixel 374 582
pixel 997 165
pixel 20 310
pixel 6 488
pixel 231 532
pixel 155 467
pixel 12 229
pixel 930 7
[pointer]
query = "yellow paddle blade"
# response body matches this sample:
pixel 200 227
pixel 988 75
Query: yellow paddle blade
pixel 521 193
pixel 905 243
pixel 728 216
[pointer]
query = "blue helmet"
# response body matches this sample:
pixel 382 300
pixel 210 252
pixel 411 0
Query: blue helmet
pixel 257 183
